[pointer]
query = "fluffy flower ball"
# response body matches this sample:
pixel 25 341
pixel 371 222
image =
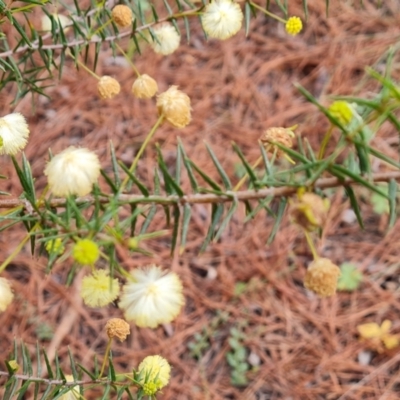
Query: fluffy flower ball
pixel 108 87
pixel 73 172
pixel 144 87
pixel 14 133
pixel 222 19
pixel 293 26
pixel 174 105
pixel 154 372
pixel 86 252
pixel 166 39
pixel 122 15
pixel 6 294
pixel 59 18
pixel 99 289
pixel 322 276
pixel 154 297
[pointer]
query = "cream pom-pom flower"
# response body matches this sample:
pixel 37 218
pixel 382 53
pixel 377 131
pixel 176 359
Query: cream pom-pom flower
pixel 174 105
pixel 152 298
pixel 222 19
pixel 60 19
pixel 166 39
pixel 6 294
pixel 99 289
pixel 154 373
pixel 73 172
pixel 14 133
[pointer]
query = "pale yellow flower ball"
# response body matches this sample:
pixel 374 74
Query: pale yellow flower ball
pixel 154 297
pixel 60 19
pixel 167 39
pixel 6 294
pixel 73 172
pixel 73 394
pixel 99 289
pixel 144 87
pixel 108 87
pixel 222 19
pixel 154 372
pixel 14 133
pixel 174 105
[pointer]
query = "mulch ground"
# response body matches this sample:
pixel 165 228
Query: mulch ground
pixel 297 345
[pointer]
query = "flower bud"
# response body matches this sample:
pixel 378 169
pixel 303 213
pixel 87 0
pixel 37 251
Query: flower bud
pixel 122 15
pixel 117 327
pixel 86 252
pixel 293 26
pixel 144 87
pixel 108 87
pixel 321 277
pixel 174 105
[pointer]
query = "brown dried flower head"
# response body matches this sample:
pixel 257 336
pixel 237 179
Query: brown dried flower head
pixel 117 327
pixel 321 277
pixel 282 136
pixel 108 87
pixel 144 87
pixel 174 105
pixel 122 15
pixel 310 211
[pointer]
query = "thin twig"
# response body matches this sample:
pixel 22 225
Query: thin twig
pixel 225 197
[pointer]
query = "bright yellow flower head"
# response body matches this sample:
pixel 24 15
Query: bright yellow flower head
pixel 99 289
pixel 14 133
pixel 222 19
pixel 86 252
pixel 153 298
pixel 154 372
pixel 72 172
pixel 293 26
pixel 342 111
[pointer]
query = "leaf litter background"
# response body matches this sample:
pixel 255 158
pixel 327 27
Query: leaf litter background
pixel 298 346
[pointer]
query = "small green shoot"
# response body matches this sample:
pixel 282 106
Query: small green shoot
pixel 350 278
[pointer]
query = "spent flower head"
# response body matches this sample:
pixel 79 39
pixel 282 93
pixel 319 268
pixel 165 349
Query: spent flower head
pixel 378 337
pixel 144 87
pixel 322 277
pixel 14 133
pixel 86 252
pixel 174 105
pixel 117 327
pixel 122 15
pixel 310 211
pixel 99 289
pixel 72 172
pixel 293 26
pixel 222 19
pixel 6 294
pixel 154 297
pixel 154 373
pixel 108 87
pixel 166 40
pixel 342 111
pixel 283 136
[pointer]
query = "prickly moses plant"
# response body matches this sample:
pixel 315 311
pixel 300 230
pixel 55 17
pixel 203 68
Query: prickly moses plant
pixel 77 224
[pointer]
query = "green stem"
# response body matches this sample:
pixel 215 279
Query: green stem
pixel 127 58
pixel 142 149
pixel 107 352
pixel 266 12
pixel 325 142
pixel 311 245
pixel 245 176
pixel 84 67
pixel 100 28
